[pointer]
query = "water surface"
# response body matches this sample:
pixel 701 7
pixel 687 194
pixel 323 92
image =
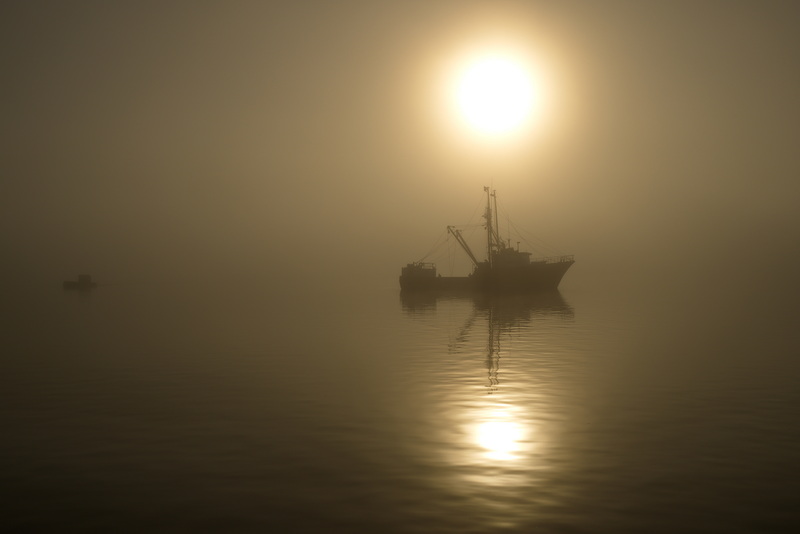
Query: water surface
pixel 246 409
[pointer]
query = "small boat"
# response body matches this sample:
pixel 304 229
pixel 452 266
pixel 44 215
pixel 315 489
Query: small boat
pixel 505 270
pixel 84 283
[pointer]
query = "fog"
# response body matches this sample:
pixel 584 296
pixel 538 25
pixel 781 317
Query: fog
pixel 147 140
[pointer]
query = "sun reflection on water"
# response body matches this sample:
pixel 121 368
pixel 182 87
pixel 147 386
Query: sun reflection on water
pixel 495 443
pixel 498 446
pixel 500 462
pixel 501 440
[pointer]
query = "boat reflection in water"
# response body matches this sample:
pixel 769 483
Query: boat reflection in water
pixel 493 433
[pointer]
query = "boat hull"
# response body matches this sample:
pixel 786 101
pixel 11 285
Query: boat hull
pixel 530 278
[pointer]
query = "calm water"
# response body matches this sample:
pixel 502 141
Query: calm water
pixel 166 408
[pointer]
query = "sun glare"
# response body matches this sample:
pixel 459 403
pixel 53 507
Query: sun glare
pixel 499 439
pixel 496 93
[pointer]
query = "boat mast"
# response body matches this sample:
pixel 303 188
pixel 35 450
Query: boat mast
pixel 489 230
pixel 493 241
pixel 497 241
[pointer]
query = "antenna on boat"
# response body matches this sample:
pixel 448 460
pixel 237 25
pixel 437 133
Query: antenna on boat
pixel 493 239
pixel 489 229
pixel 497 240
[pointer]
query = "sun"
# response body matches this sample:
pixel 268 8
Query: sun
pixel 495 93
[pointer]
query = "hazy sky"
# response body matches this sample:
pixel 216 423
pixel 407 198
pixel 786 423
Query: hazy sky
pixel 239 137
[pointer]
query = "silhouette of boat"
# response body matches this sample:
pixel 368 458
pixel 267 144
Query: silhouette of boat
pixel 84 283
pixel 505 270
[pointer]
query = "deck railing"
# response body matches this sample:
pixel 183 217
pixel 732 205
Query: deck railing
pixel 548 259
pixel 554 259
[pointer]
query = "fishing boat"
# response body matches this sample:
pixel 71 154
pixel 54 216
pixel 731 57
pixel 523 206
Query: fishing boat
pixel 505 270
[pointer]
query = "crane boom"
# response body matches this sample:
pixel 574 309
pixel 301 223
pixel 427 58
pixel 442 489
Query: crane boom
pixel 457 234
